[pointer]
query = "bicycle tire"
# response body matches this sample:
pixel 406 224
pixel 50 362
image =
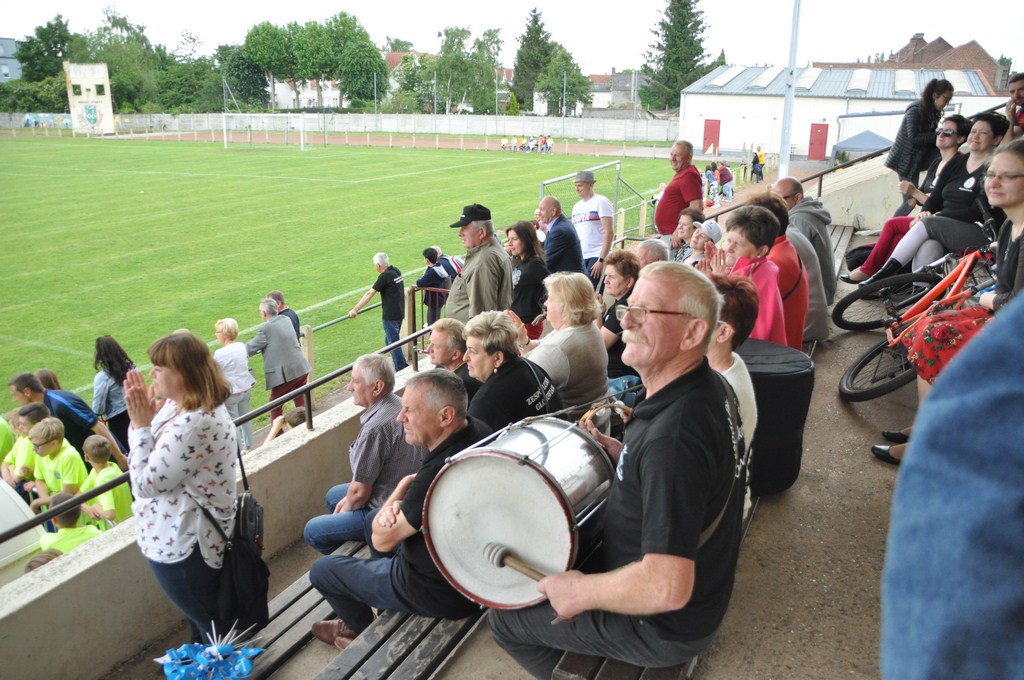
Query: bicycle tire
pixel 865 308
pixel 880 370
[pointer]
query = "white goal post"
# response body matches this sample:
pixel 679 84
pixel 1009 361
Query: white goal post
pixel 259 128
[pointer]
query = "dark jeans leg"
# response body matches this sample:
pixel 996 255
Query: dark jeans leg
pixel 536 645
pixel 391 334
pixel 192 586
pixel 352 585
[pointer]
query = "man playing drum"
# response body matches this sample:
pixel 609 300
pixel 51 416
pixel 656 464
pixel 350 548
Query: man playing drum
pixel 673 518
pixel 434 415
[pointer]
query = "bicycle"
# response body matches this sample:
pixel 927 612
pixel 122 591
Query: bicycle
pixel 873 305
pixel 885 367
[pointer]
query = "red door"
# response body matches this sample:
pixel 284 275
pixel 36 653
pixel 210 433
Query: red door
pixel 819 140
pixel 711 130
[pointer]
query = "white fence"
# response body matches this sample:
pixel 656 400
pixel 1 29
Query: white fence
pixel 561 129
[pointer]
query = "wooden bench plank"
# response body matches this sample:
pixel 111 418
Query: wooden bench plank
pixel 577 667
pixel 346 664
pixel 435 648
pixel 618 670
pixel 290 641
pixel 400 644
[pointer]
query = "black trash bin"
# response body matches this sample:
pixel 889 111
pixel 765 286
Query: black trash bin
pixel 783 380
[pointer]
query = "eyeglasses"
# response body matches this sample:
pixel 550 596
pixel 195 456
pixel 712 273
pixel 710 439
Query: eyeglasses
pixel 639 314
pixel 1005 177
pixel 39 445
pixel 944 132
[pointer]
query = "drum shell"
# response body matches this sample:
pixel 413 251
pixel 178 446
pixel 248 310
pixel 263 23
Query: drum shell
pixel 527 490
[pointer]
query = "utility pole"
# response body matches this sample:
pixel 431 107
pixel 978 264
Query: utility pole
pixel 787 107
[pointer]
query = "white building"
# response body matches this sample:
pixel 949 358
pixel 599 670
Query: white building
pixel 736 108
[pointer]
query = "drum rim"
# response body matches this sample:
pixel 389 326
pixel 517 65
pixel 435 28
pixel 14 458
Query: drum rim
pixel 563 502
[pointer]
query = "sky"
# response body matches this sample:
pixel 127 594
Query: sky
pixel 752 32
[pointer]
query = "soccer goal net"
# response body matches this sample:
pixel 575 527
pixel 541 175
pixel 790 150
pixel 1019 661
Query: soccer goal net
pixel 264 128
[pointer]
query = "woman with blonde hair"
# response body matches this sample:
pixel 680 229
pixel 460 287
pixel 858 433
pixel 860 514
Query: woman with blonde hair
pixel 182 460
pixel 234 361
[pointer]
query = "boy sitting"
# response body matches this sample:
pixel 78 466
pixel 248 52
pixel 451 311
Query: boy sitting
pixel 68 536
pixel 59 468
pixel 114 505
pixel 20 461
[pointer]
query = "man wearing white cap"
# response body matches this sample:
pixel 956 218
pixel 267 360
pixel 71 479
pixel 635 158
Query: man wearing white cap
pixel 592 217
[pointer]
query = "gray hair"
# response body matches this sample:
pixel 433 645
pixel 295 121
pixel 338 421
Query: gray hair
pixel 486 225
pixel 695 293
pixel 496 333
pixel 442 388
pixel 382 260
pixel 688 146
pixel 374 367
pixel 268 307
pixel 655 247
pixel 455 330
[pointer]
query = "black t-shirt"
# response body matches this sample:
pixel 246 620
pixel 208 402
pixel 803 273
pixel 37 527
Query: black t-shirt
pixel 424 583
pixel 294 318
pixel 389 285
pixel 955 191
pixel 518 390
pixel 617 369
pixel 75 414
pixel 528 289
pixel 471 383
pixel 673 478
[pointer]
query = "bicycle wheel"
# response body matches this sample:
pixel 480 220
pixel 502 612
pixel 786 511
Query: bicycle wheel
pixel 881 370
pixel 873 305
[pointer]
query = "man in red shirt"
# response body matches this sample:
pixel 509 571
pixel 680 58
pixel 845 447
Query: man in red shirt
pixel 684 191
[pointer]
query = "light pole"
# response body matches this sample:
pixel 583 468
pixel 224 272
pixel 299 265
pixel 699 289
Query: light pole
pixel 565 103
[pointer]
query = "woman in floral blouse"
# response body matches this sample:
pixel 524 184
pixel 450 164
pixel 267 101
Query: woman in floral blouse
pixel 182 456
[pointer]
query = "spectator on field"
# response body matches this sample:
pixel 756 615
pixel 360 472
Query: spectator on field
pixel 111 506
pixel 914 147
pixel 652 250
pixel 48 378
pixel 562 250
pixel 79 420
pixel 447 350
pixel 233 358
pixel 112 364
pixel 683 191
pixel 285 368
pixel 592 219
pixel 750 235
pixel 69 535
pixel 574 355
pixel 810 218
pixel 59 467
pixel 513 387
pixel 816 326
pixel 284 310
pixel 486 281
pixel 434 276
pixel 379 458
pixel 727 181
pixel 528 274
pixel 390 284
pixel 679 248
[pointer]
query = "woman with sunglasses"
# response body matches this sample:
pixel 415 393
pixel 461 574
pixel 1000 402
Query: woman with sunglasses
pixel 914 147
pixel 931 345
pixel 948 138
pixel 951 217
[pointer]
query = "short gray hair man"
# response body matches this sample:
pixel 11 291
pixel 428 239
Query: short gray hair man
pixel 652 250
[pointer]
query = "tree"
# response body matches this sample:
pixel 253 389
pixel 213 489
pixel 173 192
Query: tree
pixel 133 63
pixel 362 71
pixel 676 58
pixel 246 79
pixel 513 105
pixel 452 68
pixel 484 65
pixel 532 57
pixel 49 94
pixel 42 54
pixel 563 74
pixel 267 46
pixel 396 45
pixel 316 56
pixel 467 75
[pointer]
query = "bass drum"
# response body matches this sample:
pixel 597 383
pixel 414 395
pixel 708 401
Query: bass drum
pixel 530 491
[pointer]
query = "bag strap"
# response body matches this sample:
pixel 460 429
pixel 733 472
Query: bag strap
pixel 738 457
pixel 241 467
pixel 799 278
pixel 216 525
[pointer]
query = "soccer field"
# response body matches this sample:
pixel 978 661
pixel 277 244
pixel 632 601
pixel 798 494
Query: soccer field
pixel 136 239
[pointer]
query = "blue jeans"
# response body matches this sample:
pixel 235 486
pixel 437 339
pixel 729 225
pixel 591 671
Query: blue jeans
pixel 391 334
pixel 192 586
pixel 352 585
pixel 238 405
pixel 536 645
pixel 326 532
pixel 727 190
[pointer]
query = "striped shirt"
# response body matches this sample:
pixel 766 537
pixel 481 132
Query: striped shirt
pixel 379 455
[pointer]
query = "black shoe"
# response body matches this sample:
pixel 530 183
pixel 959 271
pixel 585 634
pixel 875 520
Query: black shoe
pixel 890 268
pixel 845 278
pixel 895 436
pixel 881 452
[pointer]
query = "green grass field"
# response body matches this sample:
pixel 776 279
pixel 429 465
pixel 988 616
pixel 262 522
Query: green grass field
pixel 136 239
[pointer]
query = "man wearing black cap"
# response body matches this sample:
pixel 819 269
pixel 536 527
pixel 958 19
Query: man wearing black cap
pixel 486 281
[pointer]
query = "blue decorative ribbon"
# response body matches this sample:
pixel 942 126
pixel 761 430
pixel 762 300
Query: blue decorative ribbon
pixel 208 662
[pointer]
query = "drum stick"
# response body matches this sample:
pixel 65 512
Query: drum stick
pixel 501 556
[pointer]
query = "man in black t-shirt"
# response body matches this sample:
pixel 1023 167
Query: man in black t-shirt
pixel 392 300
pixel 434 416
pixel 673 516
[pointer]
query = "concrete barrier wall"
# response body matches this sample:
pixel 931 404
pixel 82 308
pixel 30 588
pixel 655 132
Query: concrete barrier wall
pixel 83 614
